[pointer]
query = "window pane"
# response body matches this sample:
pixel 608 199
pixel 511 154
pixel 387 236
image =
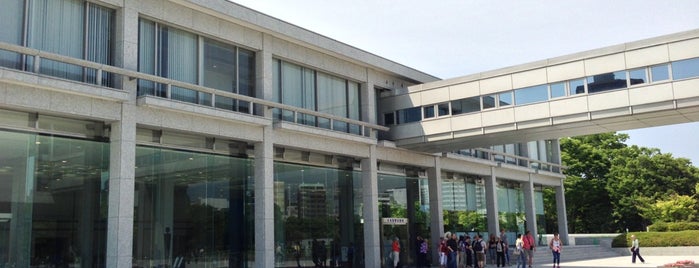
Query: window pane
pixel 179 61
pixel 637 76
pixel 219 66
pixel 57 27
pixel 558 90
pixel 443 109
pixel 353 105
pixel 604 82
pixel 146 58
pixel 660 73
pixel 190 198
pixel 246 77
pixel 100 35
pixel 61 209
pixel 505 99
pixel 409 115
pixel 685 69
pixel 291 87
pixel 429 111
pixel 576 86
pixel 531 94
pixel 11 31
pixel 488 101
pixel 468 105
pixel 388 119
pixel 332 99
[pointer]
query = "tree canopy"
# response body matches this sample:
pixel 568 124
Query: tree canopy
pixel 612 187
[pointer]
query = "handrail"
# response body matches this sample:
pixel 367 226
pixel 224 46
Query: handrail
pixel 526 160
pixel 100 68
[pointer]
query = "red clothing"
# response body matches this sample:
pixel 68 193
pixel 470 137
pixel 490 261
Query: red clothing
pixel 528 241
pixel 396 246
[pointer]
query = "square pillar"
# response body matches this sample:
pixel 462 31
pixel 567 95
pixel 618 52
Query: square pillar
pixel 122 146
pixel 370 210
pixel 434 183
pixel 264 200
pixel 530 206
pixel 491 203
pixel 561 212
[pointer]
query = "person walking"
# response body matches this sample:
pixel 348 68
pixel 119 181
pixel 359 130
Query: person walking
pixel 503 238
pixel 453 249
pixel 519 252
pixel 529 247
pixel 499 252
pixel 556 246
pixel 635 250
pixel 421 252
pixel 479 248
pixel 396 251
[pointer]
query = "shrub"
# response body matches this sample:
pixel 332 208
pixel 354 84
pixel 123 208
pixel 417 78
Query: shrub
pixel 673 226
pixel 659 239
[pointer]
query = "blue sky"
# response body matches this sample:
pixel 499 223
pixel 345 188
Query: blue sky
pixel 450 38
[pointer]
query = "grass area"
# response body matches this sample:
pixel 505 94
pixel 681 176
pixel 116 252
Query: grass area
pixel 659 239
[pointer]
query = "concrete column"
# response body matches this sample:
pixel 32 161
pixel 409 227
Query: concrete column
pixel 434 183
pixel 122 147
pixel 491 203
pixel 264 200
pixel 530 206
pixel 121 190
pixel 370 210
pixel 561 212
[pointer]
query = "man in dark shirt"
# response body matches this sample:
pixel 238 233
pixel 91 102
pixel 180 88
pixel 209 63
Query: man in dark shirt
pixel 453 249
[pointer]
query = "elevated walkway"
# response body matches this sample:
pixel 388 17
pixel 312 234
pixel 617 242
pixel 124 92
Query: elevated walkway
pixel 642 84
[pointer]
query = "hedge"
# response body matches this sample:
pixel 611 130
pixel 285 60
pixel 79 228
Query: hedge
pixel 659 239
pixel 673 226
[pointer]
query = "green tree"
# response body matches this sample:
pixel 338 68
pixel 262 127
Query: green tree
pixel 589 159
pixel 644 176
pixel 608 182
pixel 675 208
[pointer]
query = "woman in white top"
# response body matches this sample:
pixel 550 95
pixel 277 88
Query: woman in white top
pixel 519 255
pixel 556 246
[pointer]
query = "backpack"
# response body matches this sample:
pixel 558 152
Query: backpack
pixel 477 246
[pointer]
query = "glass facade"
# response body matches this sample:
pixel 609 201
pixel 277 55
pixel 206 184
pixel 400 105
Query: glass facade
pixel 176 54
pixel 403 197
pixel 464 204
pixel 511 211
pixel 73 28
pixel 53 201
pixel 313 90
pixel 317 216
pixel 193 209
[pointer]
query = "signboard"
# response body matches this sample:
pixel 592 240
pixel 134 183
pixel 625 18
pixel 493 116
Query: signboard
pixel 394 221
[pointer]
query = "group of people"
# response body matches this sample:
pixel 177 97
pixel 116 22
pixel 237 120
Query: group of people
pixel 466 252
pixel 463 252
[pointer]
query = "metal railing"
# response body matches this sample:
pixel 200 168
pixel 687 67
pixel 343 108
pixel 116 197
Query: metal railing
pixel 363 128
pixel 511 159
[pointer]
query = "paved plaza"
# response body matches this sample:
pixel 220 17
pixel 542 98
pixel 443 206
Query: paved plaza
pixel 622 261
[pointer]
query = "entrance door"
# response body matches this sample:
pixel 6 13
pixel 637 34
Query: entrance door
pixel 392 228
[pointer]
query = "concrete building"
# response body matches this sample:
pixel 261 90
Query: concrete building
pixel 164 132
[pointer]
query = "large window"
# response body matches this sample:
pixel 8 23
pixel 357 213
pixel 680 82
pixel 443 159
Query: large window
pixel 463 201
pixel 467 105
pixel 403 197
pixel 606 81
pixel 310 89
pixel 531 94
pixel 73 28
pixel 685 69
pixel 176 54
pixel 53 201
pixel 317 213
pixel 192 208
